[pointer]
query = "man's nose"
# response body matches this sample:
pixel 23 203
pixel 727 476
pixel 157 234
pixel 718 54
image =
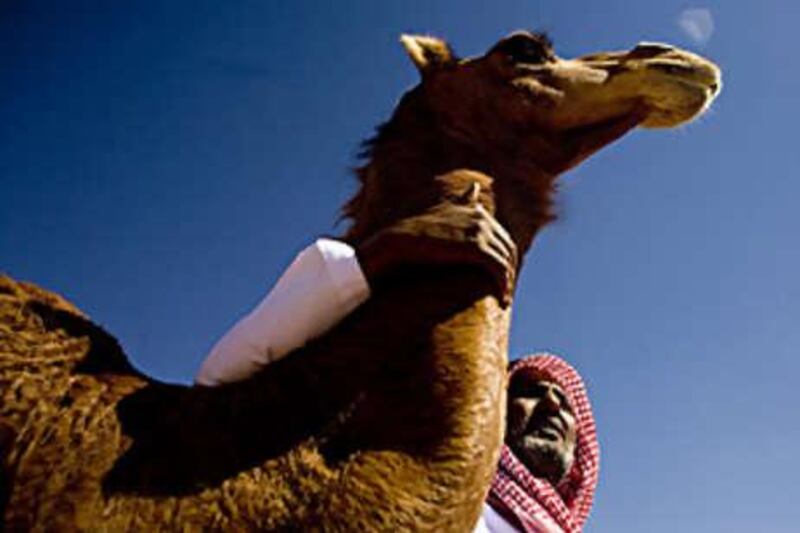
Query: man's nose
pixel 551 400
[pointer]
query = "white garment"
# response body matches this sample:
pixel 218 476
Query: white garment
pixel 323 285
pixel 493 522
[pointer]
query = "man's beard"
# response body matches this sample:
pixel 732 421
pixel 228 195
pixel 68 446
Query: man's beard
pixel 544 458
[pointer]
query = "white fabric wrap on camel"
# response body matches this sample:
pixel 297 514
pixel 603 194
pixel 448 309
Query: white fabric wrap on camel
pixel 322 286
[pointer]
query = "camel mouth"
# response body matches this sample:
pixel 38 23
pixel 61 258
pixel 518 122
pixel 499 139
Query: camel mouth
pixel 700 75
pixel 668 112
pixel 680 89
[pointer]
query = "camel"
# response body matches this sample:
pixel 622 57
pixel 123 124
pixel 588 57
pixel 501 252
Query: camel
pixel 393 420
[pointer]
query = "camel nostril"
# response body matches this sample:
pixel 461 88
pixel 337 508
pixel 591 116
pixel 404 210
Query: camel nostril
pixel 714 87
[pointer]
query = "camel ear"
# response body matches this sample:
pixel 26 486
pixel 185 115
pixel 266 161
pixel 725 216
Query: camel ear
pixel 428 53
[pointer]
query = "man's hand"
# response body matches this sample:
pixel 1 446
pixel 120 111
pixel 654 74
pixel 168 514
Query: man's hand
pixel 450 233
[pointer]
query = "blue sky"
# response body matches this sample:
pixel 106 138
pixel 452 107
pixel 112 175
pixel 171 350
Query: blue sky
pixel 161 162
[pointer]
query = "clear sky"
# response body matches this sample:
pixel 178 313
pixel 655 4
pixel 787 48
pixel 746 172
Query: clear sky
pixel 161 162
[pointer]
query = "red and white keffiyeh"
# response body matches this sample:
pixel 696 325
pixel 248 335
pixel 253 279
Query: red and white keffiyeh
pixel 529 502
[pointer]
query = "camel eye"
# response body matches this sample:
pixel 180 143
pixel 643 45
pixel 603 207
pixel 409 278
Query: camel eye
pixel 525 49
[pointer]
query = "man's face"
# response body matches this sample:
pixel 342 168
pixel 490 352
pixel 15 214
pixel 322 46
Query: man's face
pixel 541 426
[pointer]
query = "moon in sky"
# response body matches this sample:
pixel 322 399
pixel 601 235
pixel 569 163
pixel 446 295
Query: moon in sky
pixel 698 24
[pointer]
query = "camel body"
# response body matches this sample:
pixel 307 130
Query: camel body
pixel 98 446
pixel 393 420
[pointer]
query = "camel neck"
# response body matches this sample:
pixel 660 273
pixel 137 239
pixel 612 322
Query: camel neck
pixel 412 149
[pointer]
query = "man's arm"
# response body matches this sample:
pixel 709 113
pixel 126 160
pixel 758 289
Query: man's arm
pixel 329 279
pixel 322 286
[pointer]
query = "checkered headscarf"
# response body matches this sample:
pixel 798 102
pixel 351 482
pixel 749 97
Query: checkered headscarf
pixel 532 503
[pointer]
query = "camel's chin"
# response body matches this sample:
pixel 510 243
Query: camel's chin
pixel 662 121
pixel 670 118
pixel 670 112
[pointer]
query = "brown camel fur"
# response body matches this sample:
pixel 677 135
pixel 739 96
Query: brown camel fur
pixel 392 421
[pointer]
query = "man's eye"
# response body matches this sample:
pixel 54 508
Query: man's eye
pixel 535 390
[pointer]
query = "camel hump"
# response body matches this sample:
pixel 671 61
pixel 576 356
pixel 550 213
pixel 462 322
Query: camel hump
pixel 41 333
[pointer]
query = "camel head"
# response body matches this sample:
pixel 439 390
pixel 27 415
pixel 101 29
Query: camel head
pixel 521 91
pixel 523 115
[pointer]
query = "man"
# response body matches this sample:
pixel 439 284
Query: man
pixel 548 466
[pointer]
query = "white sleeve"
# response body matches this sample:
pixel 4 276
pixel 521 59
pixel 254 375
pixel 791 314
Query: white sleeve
pixel 481 526
pixel 493 522
pixel 322 286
